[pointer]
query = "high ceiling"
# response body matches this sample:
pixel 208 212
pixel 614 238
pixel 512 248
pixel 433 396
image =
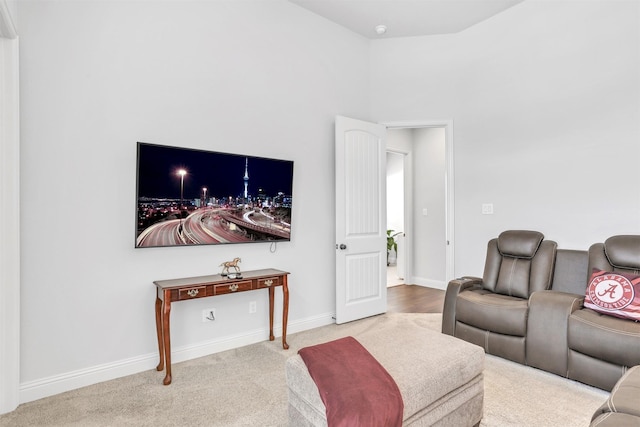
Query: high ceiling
pixel 406 18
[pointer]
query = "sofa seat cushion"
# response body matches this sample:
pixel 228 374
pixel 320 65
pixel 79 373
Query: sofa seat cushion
pixel 497 313
pixel 605 337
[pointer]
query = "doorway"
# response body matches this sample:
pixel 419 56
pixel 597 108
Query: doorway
pixel 423 152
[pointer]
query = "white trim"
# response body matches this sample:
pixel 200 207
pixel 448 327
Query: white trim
pixel 50 386
pixel 9 222
pixel 447 124
pixel 429 283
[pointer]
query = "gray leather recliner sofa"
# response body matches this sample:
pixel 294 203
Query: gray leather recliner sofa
pixel 602 347
pixel 492 311
pixel 561 335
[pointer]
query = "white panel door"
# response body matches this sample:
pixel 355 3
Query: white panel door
pixel 361 251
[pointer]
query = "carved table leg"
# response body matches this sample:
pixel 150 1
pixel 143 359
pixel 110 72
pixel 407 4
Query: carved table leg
pixel 271 336
pixel 160 366
pixel 285 311
pixel 167 337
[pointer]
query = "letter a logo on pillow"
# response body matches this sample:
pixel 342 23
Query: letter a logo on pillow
pixel 614 294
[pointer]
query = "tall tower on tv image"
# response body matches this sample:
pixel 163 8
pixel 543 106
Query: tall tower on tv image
pixel 246 178
pixel 196 197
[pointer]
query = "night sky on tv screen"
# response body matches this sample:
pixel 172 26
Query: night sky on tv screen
pixel 221 173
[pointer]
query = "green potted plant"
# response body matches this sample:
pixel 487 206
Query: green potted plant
pixel 391 242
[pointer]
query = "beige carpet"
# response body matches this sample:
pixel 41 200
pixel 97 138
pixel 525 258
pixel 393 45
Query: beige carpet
pixel 246 387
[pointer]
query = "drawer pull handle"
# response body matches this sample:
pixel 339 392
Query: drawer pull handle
pixel 233 287
pixel 192 292
pixel 268 282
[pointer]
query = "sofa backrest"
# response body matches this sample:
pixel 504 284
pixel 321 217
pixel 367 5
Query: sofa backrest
pixel 571 271
pixel 518 263
pixel 620 254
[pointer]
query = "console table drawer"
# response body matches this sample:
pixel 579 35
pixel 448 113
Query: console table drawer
pixel 269 282
pixel 195 292
pixel 229 288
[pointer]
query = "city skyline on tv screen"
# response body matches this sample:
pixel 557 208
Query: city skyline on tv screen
pixel 193 197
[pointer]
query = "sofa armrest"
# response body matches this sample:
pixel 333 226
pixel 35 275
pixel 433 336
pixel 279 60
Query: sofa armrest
pixel 454 288
pixel 468 281
pixel 624 399
pixel 547 326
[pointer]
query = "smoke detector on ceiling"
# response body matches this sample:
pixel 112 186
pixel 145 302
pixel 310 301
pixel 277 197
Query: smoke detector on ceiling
pixel 381 29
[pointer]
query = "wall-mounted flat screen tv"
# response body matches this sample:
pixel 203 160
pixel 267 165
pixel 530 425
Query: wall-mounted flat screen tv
pixel 197 197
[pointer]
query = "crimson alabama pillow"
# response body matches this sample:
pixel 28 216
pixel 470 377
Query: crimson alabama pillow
pixel 615 294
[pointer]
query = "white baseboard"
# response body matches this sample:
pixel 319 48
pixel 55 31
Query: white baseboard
pixel 38 389
pixel 430 283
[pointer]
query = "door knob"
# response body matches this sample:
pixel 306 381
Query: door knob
pixel 343 246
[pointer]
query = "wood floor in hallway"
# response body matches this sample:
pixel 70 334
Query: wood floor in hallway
pixel 414 299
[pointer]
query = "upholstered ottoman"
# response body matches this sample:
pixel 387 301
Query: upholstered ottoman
pixel 440 377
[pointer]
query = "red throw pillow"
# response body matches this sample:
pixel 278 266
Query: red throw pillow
pixel 615 294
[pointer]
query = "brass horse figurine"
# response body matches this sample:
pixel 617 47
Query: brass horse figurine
pixel 230 264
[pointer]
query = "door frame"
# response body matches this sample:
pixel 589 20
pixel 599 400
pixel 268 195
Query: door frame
pixel 447 124
pixel 9 214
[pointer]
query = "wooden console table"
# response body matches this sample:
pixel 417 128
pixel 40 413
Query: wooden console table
pixel 209 286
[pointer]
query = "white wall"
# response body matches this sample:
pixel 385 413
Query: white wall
pixel 400 142
pixel 545 104
pixel 395 191
pixel 8 15
pixel 429 256
pixel 251 77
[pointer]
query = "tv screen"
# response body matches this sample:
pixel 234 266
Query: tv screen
pixel 197 197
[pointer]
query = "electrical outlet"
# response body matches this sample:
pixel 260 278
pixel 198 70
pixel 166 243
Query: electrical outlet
pixel 487 209
pixel 208 315
pixel 252 307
